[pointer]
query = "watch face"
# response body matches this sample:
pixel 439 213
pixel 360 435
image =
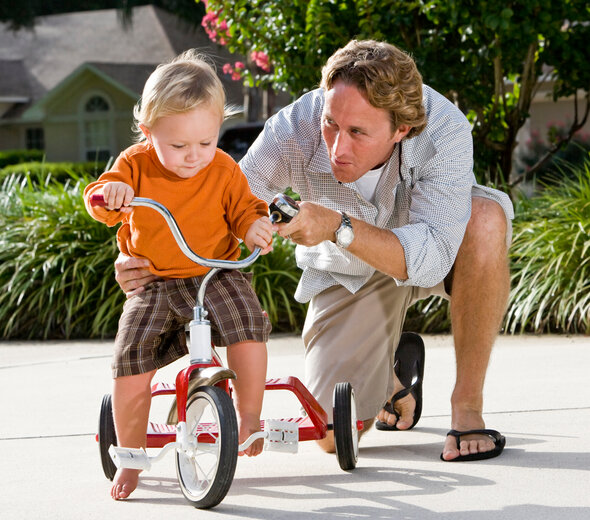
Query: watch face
pixel 345 237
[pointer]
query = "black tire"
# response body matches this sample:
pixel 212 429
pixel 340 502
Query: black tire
pixel 205 476
pixel 107 436
pixel 345 430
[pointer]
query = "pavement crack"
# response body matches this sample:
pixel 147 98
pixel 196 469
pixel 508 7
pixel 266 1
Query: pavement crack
pixel 34 437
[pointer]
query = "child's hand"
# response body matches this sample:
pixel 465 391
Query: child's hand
pixel 260 235
pixel 118 195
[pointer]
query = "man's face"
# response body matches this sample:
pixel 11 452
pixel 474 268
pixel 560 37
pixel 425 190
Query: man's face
pixel 358 135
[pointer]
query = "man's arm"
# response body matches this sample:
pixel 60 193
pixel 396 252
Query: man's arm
pixel 266 168
pixel 377 247
pixel 286 145
pixel 380 248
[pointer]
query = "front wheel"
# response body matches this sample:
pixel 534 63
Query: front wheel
pixel 346 436
pixel 107 436
pixel 206 470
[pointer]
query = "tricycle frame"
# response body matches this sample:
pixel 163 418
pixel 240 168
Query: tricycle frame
pixel 206 371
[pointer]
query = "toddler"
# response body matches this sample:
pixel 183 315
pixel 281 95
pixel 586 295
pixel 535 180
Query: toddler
pixel 177 163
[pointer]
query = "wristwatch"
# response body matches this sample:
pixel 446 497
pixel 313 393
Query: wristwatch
pixel 344 234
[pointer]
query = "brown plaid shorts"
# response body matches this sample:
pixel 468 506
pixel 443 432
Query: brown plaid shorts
pixel 152 326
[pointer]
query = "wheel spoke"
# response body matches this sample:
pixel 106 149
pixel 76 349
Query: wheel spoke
pixel 205 470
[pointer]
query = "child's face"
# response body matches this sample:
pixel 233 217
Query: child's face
pixel 185 143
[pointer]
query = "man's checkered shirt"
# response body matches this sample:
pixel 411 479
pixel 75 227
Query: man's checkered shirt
pixel 425 198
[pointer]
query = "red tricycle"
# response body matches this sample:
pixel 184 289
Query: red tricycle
pixel 201 427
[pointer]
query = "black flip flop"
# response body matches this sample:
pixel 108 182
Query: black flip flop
pixel 409 368
pixel 499 441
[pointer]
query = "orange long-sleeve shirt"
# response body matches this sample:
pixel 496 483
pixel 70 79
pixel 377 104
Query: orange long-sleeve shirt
pixel 213 209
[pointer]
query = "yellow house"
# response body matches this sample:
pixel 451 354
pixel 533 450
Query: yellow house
pixel 68 87
pixel 86 117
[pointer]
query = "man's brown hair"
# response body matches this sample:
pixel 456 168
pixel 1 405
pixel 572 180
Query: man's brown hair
pixel 386 75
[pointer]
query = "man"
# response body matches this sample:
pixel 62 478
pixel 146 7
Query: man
pixel 390 214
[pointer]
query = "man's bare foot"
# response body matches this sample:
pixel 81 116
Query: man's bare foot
pixel 327 443
pixel 405 408
pixel 247 425
pixel 124 483
pixel 329 446
pixel 464 420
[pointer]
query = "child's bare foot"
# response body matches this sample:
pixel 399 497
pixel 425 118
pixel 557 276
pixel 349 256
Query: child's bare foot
pixel 124 483
pixel 247 425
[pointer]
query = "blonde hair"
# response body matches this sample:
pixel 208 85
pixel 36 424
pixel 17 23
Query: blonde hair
pixel 178 86
pixel 386 75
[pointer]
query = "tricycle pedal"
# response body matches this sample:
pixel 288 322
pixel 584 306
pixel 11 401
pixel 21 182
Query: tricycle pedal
pixel 132 458
pixel 281 436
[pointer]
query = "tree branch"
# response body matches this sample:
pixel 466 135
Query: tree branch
pixel 562 143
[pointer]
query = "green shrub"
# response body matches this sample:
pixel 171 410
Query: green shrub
pixel 430 316
pixel 56 263
pixel 8 157
pixel 275 279
pixel 38 172
pixel 56 266
pixel 550 262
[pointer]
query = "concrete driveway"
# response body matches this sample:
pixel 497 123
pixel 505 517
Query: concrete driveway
pixel 537 394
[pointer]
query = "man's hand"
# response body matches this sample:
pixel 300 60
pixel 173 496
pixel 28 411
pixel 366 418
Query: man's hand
pixel 312 225
pixel 380 248
pixel 132 274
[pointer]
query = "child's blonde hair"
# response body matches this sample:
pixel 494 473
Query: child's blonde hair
pixel 178 86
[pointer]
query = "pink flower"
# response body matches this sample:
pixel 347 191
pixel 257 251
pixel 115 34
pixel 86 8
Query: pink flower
pixel 216 29
pixel 235 70
pixel 261 60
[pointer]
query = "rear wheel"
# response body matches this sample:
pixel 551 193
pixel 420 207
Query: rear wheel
pixel 206 470
pixel 345 429
pixel 107 436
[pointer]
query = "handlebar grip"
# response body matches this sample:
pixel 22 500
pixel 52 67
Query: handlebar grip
pixel 282 209
pixel 97 200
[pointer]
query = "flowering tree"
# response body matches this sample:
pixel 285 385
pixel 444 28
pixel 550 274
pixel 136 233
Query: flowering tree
pixel 257 65
pixel 295 37
pixel 218 31
pixel 488 57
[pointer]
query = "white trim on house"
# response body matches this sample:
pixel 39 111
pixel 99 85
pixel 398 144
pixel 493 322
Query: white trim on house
pixel 85 119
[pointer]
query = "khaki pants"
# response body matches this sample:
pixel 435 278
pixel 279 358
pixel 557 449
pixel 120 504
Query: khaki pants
pixel 353 337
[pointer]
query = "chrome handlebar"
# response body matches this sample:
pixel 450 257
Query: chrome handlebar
pixel 282 209
pixel 178 236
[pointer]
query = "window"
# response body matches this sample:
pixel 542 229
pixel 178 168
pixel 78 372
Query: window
pixel 35 139
pixel 97 104
pixel 97 129
pixel 97 137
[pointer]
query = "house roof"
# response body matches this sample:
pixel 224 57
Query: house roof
pixel 15 82
pixel 130 76
pixel 33 62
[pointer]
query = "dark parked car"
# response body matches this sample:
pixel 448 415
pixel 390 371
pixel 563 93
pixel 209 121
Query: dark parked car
pixel 237 139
